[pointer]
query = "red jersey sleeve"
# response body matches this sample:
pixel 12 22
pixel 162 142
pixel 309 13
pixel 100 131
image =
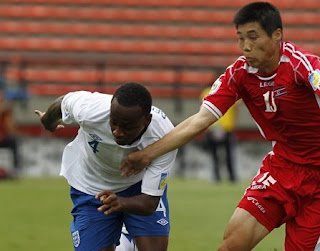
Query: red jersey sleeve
pixel 223 94
pixel 314 76
pixel 306 67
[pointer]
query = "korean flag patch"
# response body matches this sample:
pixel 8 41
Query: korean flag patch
pixel 314 79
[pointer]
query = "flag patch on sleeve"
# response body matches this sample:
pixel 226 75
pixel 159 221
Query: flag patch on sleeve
pixel 314 79
pixel 163 180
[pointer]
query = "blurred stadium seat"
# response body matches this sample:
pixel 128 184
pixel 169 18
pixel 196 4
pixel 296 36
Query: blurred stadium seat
pixel 174 47
pixel 170 35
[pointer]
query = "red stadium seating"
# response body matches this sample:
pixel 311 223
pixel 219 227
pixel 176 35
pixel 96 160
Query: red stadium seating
pixel 160 92
pixel 129 60
pixel 44 12
pixel 141 30
pixel 288 4
pixel 123 46
pixel 162 83
pixel 114 76
pixel 126 46
pixel 174 47
pixel 164 44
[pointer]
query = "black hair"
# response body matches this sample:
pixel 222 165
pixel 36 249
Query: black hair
pixel 267 15
pixel 132 94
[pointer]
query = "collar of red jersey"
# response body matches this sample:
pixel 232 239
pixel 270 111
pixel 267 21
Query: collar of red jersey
pixel 253 70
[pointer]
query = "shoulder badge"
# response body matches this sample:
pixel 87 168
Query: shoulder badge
pixel 314 79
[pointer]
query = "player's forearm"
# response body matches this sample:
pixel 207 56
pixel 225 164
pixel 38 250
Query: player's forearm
pixel 179 136
pixel 141 204
pixel 52 115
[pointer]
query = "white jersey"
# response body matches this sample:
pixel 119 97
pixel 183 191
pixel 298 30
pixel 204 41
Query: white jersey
pixel 92 160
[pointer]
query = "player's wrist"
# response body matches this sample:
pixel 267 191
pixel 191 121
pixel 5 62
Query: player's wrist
pixel 146 157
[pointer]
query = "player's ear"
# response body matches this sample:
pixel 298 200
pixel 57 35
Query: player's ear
pixel 148 119
pixel 277 35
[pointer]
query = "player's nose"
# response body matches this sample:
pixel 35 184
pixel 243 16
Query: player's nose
pixel 117 132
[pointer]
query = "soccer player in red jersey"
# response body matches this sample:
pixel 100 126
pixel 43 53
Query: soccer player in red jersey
pixel 280 84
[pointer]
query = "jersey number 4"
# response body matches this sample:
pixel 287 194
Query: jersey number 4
pixel 94 145
pixel 162 208
pixel 270 102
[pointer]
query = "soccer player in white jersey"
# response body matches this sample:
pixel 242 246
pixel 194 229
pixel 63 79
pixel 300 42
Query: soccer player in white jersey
pixel 280 85
pixel 111 127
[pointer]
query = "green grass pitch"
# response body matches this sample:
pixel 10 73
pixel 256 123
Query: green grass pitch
pixel 35 215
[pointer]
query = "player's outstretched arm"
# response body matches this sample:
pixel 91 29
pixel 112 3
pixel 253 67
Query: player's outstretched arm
pixel 51 119
pixel 180 135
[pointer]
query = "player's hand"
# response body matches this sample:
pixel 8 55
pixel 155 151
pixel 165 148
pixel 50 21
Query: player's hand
pixel 111 202
pixel 51 127
pixel 134 163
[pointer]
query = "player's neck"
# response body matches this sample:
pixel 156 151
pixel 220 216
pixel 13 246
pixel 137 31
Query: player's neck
pixel 270 67
pixel 272 63
pixel 140 135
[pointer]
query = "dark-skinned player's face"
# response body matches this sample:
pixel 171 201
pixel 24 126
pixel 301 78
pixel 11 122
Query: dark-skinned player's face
pixel 127 123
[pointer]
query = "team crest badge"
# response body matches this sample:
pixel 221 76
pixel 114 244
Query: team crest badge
pixel 76 239
pixel 314 79
pixel 215 87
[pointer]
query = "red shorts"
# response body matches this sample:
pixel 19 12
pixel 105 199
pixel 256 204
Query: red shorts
pixel 283 192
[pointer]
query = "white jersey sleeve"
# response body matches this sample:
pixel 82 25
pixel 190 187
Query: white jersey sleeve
pixel 157 174
pixel 74 105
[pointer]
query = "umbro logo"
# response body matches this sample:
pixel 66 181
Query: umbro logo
pixel 162 222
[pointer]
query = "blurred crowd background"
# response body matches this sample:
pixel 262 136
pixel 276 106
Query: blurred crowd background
pixel 175 48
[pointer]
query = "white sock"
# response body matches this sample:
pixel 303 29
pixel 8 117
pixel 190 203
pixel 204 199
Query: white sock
pixel 125 244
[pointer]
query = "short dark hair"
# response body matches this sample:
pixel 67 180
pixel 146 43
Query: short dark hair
pixel 267 15
pixel 132 94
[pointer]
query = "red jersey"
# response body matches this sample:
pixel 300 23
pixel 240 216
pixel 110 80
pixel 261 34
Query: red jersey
pixel 285 103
